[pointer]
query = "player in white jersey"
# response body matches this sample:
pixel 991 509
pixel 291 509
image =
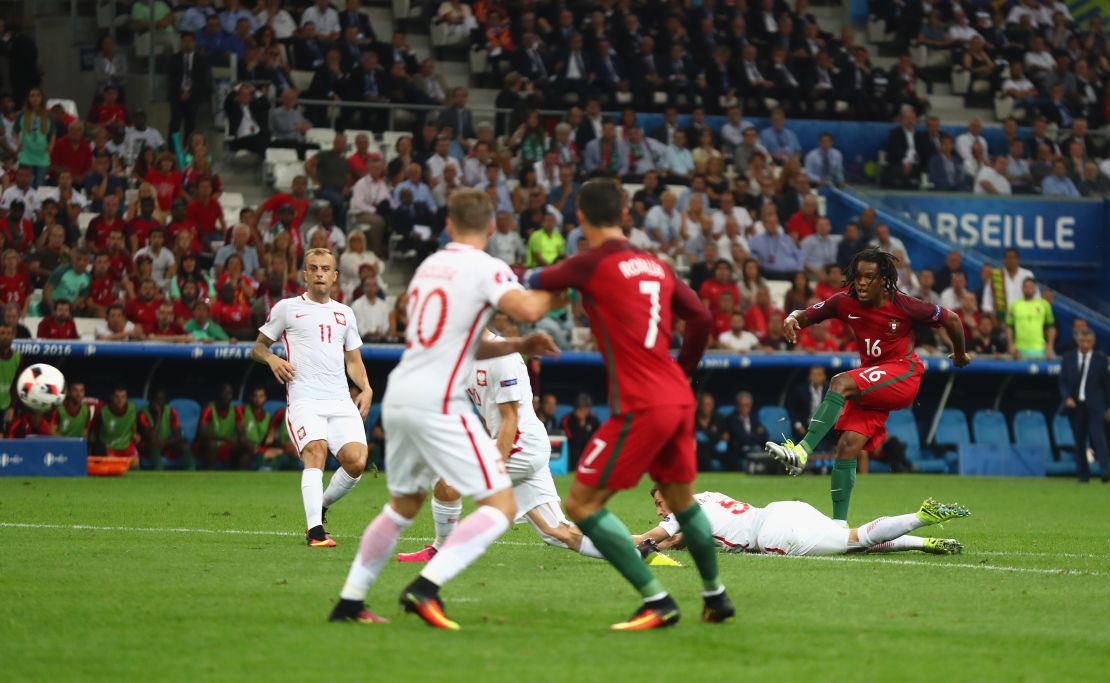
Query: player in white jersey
pixel 431 432
pixel 321 350
pixel 797 528
pixel 500 389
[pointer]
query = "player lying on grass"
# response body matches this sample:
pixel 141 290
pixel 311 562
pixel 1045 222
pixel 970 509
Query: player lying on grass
pixel 797 528
pixel 859 401
pixel 501 391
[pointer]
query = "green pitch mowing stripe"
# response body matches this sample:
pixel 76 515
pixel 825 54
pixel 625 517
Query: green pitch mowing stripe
pixel 205 577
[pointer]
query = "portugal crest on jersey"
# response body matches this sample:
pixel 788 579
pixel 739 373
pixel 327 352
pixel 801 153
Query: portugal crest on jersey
pixel 893 326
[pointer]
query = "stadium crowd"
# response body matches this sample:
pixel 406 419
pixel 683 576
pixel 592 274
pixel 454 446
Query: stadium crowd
pixel 110 218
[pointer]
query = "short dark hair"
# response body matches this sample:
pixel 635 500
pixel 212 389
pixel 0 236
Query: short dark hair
pixel 601 202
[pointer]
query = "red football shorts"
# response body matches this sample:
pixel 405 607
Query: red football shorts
pixel 883 388
pixel 658 441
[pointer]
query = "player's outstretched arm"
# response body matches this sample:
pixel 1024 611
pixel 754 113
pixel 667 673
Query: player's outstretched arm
pixel 955 329
pixel 261 353
pixel 535 344
pixel 356 370
pixel 506 434
pixel 658 534
pixel 529 306
pixel 699 323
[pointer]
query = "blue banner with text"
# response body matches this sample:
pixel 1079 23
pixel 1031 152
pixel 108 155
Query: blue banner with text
pixel 43 457
pixel 1048 232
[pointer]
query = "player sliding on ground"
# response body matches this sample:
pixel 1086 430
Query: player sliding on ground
pixel 426 413
pixel 796 528
pixel 321 351
pixel 859 401
pixel 631 297
pixel 501 391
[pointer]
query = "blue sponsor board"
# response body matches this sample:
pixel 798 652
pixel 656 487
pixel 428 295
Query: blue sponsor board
pixel 43 457
pixel 1048 233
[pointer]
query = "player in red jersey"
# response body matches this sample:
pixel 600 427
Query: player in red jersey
pixel 631 298
pixel 858 401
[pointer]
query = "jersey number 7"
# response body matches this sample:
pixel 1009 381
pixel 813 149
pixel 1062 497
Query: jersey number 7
pixel 651 288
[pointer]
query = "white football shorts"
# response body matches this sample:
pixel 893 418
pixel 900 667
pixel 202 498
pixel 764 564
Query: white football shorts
pixel 333 420
pixel 422 446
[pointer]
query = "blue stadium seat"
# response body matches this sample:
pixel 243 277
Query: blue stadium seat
pixel 1062 434
pixel 561 411
pixel 902 425
pixel 952 429
pixel 188 411
pixel 990 428
pixel 1031 429
pixel 273 406
pixel 140 403
pixel 776 421
pixel 602 413
pixel 725 411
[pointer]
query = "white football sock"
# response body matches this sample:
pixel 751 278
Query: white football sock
pixel 475 533
pixel 900 544
pixel 887 529
pixel 312 492
pixel 340 485
pixel 588 548
pixel 445 516
pixel 374 550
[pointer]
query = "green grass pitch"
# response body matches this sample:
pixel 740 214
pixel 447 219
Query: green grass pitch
pixel 205 576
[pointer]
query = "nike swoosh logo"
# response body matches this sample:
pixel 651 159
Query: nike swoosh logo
pixel 816 420
pixel 301 315
pixel 853 317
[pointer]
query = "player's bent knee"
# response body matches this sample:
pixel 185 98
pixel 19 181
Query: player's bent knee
pixel 843 384
pixel 408 506
pixel 315 454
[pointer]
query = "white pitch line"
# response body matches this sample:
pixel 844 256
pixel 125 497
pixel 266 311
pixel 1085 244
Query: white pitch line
pixel 875 560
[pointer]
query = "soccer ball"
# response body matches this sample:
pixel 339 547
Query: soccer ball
pixel 41 387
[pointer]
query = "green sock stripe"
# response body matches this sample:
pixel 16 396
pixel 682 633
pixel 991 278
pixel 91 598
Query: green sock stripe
pixel 614 542
pixel 698 535
pixel 823 421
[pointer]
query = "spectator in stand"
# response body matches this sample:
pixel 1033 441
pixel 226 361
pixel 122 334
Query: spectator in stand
pixel 803 223
pixel 546 245
pixel 759 314
pixel 946 172
pixel 830 282
pixel 189 84
pixel 506 243
pixel 165 328
pixel 825 164
pixel 50 251
pixel 737 339
pixel 202 328
pixel 988 339
pixel 819 249
pixel 72 153
pixel 1094 183
pixel 108 114
pixel 116 326
pixel 371 312
pixel 663 225
pixel 288 125
pixel 248 115
pixel 905 149
pixel 779 141
pixel 991 179
pixel 16 230
pixel 231 313
pixel 1059 184
pixel 59 324
pixel 357 162
pixel 777 253
pixel 607 154
pixel 205 212
pixel 800 292
pixel 163 264
pixel 325 18
pixel 12 315
pixel 14 285
pixel 744 431
pixel 965 141
pixel 804 400
pixel 69 282
pixel 143 308
pixel 34 133
pixel 459 118
pixel 22 190
pixel 166 180
pixel 722 282
pixel 750 282
pixel 370 201
pixel 106 178
pixel 1031 327
pixel 885 241
pixel 579 425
